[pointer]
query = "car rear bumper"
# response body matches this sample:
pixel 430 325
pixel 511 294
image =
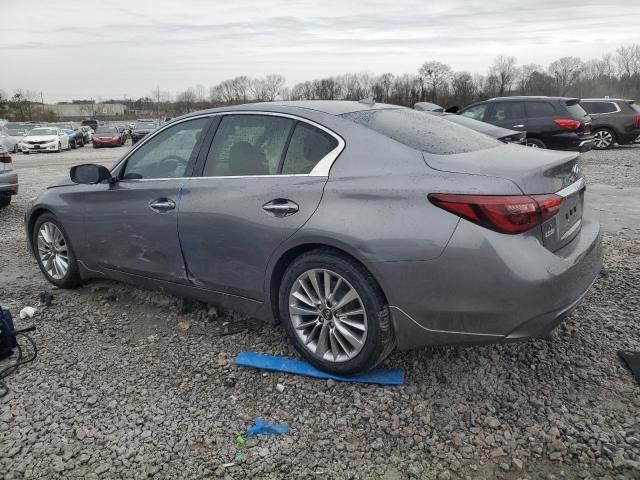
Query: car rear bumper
pixel 488 288
pixel 570 141
pixel 107 143
pixel 8 183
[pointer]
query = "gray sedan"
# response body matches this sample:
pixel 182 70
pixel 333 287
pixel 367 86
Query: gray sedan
pixel 361 227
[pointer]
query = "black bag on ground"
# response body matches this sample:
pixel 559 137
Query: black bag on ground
pixel 7 334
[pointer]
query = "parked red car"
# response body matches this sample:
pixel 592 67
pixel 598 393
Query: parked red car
pixel 106 136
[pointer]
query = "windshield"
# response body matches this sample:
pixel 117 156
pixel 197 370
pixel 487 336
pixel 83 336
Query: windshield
pixel 421 131
pixel 106 130
pixel 144 125
pixel 43 131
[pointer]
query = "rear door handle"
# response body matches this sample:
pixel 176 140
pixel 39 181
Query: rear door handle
pixel 162 205
pixel 281 207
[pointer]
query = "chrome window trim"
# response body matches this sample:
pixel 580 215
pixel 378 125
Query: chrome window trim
pixel 573 188
pixel 149 136
pixel 618 109
pixel 321 169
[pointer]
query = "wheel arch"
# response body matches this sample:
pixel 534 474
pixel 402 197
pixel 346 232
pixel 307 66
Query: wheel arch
pixel 283 259
pixel 33 218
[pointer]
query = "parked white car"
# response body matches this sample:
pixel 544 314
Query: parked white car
pixel 45 139
pixel 9 142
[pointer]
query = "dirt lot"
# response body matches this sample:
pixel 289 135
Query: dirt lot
pixel 119 391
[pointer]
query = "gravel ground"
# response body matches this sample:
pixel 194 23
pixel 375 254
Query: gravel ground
pixel 121 390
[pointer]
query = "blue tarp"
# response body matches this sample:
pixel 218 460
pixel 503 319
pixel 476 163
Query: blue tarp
pixel 394 376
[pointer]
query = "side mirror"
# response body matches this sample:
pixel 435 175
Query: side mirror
pixel 89 174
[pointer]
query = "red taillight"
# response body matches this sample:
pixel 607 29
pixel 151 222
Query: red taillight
pixel 5 157
pixel 567 123
pixel 587 128
pixel 636 121
pixel 510 214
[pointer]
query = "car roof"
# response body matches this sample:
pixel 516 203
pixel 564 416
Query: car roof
pixel 331 107
pixel 607 100
pixel 530 97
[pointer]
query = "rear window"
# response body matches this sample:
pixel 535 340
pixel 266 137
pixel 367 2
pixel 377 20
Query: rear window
pixel 423 132
pixel 106 130
pixel 576 111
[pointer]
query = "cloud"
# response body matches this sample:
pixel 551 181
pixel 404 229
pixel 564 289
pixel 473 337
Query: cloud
pixel 123 44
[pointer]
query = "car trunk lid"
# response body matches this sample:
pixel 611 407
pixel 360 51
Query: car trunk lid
pixel 535 172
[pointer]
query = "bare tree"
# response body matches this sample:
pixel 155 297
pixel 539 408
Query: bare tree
pixel 524 77
pixel 504 70
pixel 462 88
pixel 435 76
pixel 566 71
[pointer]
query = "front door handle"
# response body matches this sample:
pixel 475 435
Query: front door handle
pixel 162 205
pixel 281 207
pixel 518 126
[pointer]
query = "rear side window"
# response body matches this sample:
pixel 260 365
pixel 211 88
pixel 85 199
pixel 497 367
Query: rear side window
pixel 248 145
pixel 539 109
pixel 421 131
pixel 307 147
pixel 501 112
pixel 598 107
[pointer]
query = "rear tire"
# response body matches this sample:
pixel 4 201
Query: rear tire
pixel 332 325
pixel 535 143
pixel 5 201
pixel 15 148
pixel 71 277
pixel 59 147
pixel 605 138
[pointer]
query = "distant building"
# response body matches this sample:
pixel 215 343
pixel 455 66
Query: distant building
pixel 79 111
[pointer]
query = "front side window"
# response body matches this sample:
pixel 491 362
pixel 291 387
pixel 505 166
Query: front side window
pixel 307 147
pixel 248 145
pixel 167 154
pixel 476 112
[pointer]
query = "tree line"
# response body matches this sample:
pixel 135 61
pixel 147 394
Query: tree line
pixel 615 74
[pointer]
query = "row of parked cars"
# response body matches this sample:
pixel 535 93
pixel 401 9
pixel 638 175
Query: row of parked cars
pixel 30 137
pixel 558 123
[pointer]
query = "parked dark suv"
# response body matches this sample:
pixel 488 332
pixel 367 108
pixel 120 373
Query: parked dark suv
pixel 550 122
pixel 613 121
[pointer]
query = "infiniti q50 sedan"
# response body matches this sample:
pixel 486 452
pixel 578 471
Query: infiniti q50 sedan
pixel 360 226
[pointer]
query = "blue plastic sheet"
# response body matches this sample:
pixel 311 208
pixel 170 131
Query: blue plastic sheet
pixel 263 428
pixel 273 363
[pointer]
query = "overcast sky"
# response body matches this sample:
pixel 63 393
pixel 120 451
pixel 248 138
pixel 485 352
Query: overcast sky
pixel 95 49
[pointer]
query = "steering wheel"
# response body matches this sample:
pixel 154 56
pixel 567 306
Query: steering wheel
pixel 164 165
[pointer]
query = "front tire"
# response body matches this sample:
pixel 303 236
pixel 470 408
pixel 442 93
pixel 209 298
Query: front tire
pixel 605 138
pixel 59 147
pixel 334 313
pixel 54 253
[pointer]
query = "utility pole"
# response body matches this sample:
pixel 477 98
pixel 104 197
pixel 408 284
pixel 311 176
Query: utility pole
pixel 42 101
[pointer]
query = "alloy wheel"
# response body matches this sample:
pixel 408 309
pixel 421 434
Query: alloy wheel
pixel 603 138
pixel 328 315
pixel 53 250
pixel 533 145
